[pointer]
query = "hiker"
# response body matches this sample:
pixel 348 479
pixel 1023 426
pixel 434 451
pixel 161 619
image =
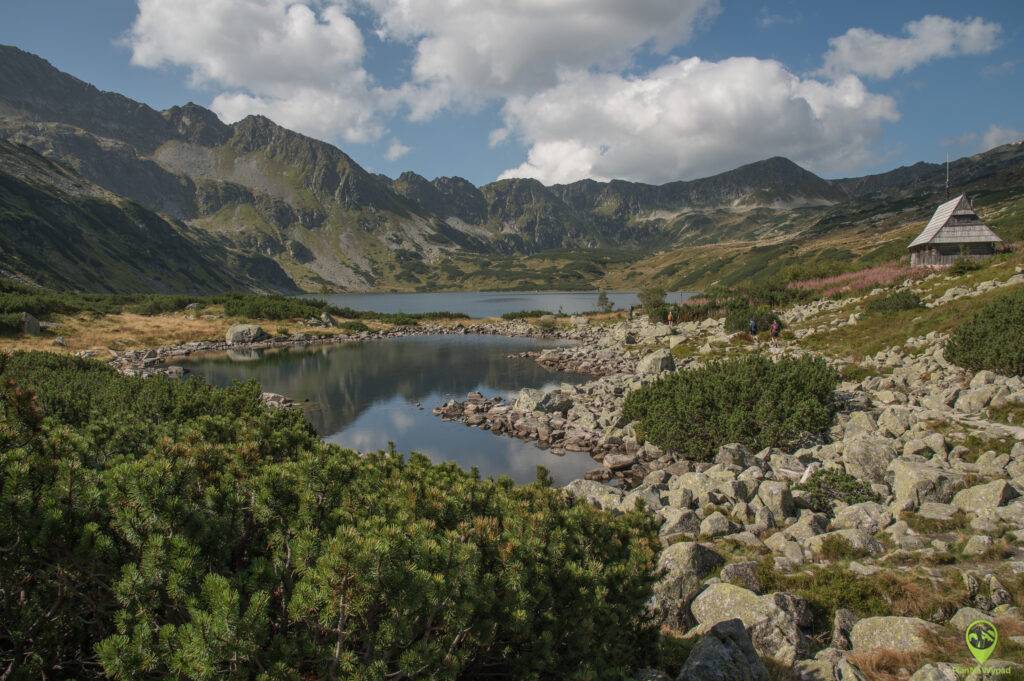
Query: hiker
pixel 670 320
pixel 775 328
pixel 629 314
pixel 753 329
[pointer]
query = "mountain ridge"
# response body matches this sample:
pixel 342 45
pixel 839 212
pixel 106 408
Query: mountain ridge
pixel 330 224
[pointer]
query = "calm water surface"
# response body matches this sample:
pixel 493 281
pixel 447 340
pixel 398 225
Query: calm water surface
pixel 485 303
pixel 367 395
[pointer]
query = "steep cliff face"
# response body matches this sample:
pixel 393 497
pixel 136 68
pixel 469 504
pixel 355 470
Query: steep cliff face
pixel 62 231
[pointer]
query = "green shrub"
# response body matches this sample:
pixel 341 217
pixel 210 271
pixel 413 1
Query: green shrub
pixel 10 324
pixel 751 400
pixel 827 485
pixel 652 300
pixel 169 529
pixel 354 326
pixel 273 307
pixel 154 305
pixel 738 315
pixel 964 266
pixel 524 314
pixel 894 302
pixel 837 547
pixel 546 324
pixel 992 339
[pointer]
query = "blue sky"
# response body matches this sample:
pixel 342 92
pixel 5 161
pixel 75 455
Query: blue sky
pixel 650 90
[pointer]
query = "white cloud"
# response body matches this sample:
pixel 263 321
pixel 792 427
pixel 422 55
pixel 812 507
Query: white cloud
pixel 396 150
pixel 497 136
pixel 996 136
pixel 867 53
pixel 297 61
pixel 468 51
pixel 693 118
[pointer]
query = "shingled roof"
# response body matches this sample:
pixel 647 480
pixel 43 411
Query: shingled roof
pixel 955 222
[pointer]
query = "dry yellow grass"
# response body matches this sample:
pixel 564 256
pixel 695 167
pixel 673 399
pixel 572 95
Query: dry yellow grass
pixel 132 331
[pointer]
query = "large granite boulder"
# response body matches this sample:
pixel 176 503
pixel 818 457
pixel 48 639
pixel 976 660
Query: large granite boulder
pixel 725 653
pixel 778 622
pixel 867 457
pixel 655 363
pixel 890 633
pixel 596 494
pixel 685 565
pixel 917 480
pixel 868 516
pixel 990 495
pixel 245 333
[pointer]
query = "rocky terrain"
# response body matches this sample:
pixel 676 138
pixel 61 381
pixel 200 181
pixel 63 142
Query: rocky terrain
pixel 947 477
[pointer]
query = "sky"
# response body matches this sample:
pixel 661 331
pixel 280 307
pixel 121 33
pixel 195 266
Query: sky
pixel 561 90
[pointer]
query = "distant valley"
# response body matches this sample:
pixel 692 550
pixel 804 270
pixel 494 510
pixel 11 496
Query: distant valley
pixel 101 193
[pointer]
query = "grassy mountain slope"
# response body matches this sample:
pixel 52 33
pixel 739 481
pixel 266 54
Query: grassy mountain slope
pixel 61 231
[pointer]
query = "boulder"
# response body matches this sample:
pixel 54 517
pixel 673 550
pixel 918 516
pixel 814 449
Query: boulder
pixel 859 540
pixel 890 633
pixel 685 565
pixel 655 331
pixel 964 616
pixel 724 653
pixel 895 420
pixel 936 672
pixel 655 363
pixel 677 522
pixel 917 481
pixel 596 494
pixel 555 401
pixel 842 625
pixel 776 622
pixel 734 454
pixel 777 499
pixel 527 399
pixel 30 325
pixel 245 333
pixel 868 516
pixel 990 495
pixel 977 545
pixel 868 458
pixel 715 525
pixel 742 574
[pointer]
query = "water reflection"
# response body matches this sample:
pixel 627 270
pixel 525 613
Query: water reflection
pixel 367 395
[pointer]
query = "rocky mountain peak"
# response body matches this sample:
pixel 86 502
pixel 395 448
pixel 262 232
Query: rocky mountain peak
pixel 198 124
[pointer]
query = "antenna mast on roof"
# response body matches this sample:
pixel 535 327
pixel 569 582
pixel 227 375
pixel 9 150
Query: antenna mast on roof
pixel 947 176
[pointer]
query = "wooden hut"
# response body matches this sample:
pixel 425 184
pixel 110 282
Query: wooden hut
pixel 955 231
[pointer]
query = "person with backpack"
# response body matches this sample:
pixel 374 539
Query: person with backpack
pixel 753 329
pixel 774 329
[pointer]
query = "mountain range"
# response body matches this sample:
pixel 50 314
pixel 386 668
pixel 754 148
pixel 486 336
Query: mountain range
pixel 102 193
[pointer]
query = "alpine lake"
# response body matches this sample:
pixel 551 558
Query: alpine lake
pixel 375 394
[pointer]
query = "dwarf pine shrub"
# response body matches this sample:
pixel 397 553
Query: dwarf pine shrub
pixel 827 485
pixel 993 339
pixel 170 529
pixel 739 314
pixel 894 302
pixel 751 400
pixel 10 324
